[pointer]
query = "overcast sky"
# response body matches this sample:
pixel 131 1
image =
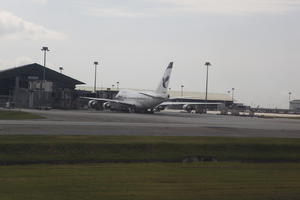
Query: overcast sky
pixel 253 45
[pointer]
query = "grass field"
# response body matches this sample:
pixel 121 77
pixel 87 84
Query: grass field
pixel 85 149
pixel 215 181
pixel 247 168
pixel 17 115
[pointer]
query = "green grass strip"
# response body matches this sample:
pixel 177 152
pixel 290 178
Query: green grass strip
pixel 84 149
pixel 159 181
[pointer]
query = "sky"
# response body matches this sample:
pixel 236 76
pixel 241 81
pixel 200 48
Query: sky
pixel 253 45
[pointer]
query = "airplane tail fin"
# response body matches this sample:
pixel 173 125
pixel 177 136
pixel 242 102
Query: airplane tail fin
pixel 164 83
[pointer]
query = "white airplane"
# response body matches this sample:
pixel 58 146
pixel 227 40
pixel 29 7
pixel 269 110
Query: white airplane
pixel 137 101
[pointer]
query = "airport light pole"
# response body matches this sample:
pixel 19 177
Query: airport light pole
pixel 42 94
pixel 182 86
pixel 95 63
pixel 228 92
pixel 290 93
pixel 232 95
pixel 207 64
pixel 290 96
pixel 61 69
pixel 44 49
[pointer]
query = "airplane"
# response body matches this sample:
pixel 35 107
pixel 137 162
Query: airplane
pixel 136 101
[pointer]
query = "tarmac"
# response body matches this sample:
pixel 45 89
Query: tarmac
pixel 165 123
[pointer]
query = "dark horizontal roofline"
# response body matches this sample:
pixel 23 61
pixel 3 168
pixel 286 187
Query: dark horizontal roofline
pixel 63 76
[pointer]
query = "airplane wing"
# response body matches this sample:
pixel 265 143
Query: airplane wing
pixel 108 100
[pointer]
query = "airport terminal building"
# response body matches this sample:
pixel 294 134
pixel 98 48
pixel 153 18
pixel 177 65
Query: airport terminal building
pixel 199 97
pixel 295 106
pixel 35 86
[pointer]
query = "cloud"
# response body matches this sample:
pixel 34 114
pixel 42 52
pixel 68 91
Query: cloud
pixel 14 27
pixel 113 12
pixel 40 1
pixel 133 8
pixel 114 8
pixel 233 6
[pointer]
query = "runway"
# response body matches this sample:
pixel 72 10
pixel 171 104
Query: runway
pixel 165 123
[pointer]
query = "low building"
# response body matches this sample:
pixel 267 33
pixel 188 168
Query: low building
pixel 295 106
pixel 35 86
pixel 199 97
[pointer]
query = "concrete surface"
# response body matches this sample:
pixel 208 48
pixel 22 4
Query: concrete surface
pixel 166 123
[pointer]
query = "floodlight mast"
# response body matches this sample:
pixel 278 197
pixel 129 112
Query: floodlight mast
pixel 95 63
pixel 44 49
pixel 42 79
pixel 182 86
pixel 207 64
pixel 232 95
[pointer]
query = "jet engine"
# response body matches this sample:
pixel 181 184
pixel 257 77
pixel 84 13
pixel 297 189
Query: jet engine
pixel 159 108
pixel 106 105
pixel 92 103
pixel 187 107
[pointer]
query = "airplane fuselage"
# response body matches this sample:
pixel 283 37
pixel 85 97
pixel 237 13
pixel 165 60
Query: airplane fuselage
pixel 141 99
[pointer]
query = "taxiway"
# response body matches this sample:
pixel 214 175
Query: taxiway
pixel 85 122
